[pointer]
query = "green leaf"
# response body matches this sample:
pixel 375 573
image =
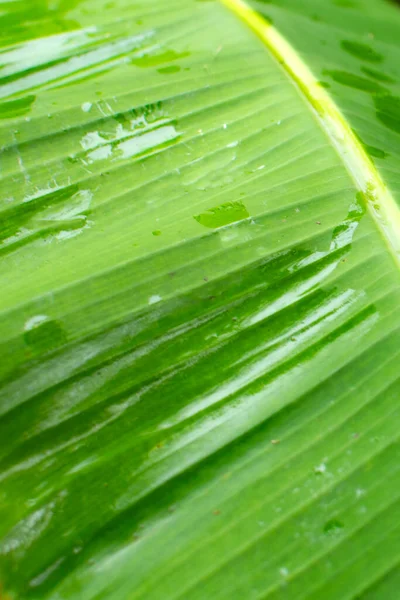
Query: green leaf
pixel 200 307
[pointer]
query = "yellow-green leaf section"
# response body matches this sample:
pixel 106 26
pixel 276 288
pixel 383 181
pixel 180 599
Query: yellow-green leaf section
pixel 199 306
pixel 366 177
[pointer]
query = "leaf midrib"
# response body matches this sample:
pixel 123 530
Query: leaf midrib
pixel 381 205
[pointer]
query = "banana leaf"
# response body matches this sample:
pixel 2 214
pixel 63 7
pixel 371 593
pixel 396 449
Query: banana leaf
pixel 200 300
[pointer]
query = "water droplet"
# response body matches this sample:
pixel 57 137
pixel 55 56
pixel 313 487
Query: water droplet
pixel 362 51
pixel 154 299
pixel 91 140
pixel 355 81
pixel 43 333
pixel 377 75
pixel 222 215
pixel 388 111
pixel 284 572
pixel 320 469
pixel 86 106
pixel 169 70
pixel 153 60
pixel 333 527
pixel 376 152
pixel 16 108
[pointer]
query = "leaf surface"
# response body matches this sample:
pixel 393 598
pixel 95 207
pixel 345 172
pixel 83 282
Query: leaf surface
pixel 200 303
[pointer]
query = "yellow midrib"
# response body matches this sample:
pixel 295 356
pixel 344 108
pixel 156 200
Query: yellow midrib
pixel 380 202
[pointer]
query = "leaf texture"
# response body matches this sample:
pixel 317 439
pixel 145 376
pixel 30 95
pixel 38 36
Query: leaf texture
pixel 200 304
